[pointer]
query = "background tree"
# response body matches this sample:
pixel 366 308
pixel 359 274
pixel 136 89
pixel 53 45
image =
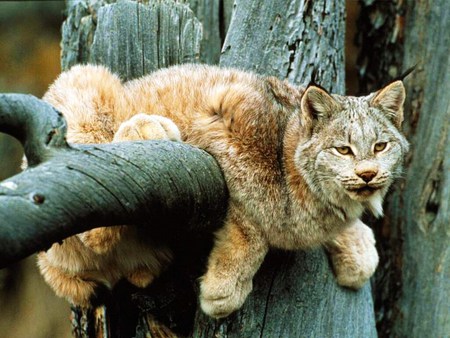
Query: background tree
pixel 413 282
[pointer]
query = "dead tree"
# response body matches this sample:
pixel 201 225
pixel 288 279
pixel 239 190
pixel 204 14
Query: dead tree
pixel 295 294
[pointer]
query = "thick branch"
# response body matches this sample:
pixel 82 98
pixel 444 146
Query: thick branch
pixel 171 186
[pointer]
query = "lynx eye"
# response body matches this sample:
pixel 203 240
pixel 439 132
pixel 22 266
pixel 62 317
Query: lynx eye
pixel 380 146
pixel 344 150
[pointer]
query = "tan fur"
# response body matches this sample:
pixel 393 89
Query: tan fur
pixel 278 146
pixel 353 255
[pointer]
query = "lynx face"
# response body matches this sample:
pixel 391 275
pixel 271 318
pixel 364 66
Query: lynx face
pixel 355 148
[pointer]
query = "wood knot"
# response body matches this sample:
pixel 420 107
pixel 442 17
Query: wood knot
pixel 38 198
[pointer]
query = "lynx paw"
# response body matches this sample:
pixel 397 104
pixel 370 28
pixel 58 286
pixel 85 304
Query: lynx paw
pixel 147 127
pixel 220 296
pixel 354 257
pixel 101 240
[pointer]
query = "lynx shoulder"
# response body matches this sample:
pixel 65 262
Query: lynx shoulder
pixel 301 166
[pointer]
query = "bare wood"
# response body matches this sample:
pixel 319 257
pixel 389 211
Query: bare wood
pixel 131 38
pixel 425 220
pixel 289 39
pixel 208 13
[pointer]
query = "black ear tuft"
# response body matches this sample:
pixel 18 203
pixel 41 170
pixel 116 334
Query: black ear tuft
pixel 402 76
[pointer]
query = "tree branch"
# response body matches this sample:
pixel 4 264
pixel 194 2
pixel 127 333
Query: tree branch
pixel 75 188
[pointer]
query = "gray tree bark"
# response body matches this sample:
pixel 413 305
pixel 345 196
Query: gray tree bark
pixel 295 294
pixel 289 40
pixel 208 12
pixel 131 38
pixel 413 285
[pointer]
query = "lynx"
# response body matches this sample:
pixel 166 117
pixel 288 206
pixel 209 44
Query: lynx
pixel 301 165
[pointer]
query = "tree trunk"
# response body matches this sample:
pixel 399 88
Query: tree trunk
pixel 289 40
pixel 295 294
pixel 412 296
pixel 131 38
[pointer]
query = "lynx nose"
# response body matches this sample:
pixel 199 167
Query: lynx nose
pixel 367 176
pixel 366 170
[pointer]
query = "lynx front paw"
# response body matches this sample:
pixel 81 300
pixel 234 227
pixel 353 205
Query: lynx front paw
pixel 147 127
pixel 220 296
pixel 354 256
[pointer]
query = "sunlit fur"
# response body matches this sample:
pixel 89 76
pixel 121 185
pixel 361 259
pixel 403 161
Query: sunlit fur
pixel 276 143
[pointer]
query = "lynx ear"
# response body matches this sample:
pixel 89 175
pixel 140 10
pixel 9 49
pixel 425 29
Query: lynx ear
pixel 317 104
pixel 390 100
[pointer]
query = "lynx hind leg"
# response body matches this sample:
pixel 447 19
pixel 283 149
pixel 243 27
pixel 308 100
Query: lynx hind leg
pixel 71 287
pixel 234 260
pixel 141 277
pixel 153 260
pixel 147 127
pixel 353 255
pixel 102 240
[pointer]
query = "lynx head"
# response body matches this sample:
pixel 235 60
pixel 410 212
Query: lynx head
pixel 352 148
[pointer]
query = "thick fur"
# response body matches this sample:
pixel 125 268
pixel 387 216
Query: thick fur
pixel 301 166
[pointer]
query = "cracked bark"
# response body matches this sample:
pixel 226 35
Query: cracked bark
pixel 412 283
pixel 289 39
pixel 294 293
pixel 151 35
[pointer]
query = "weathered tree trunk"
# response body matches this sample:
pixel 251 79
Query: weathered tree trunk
pixel 295 294
pixel 413 285
pixel 129 37
pixel 289 40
